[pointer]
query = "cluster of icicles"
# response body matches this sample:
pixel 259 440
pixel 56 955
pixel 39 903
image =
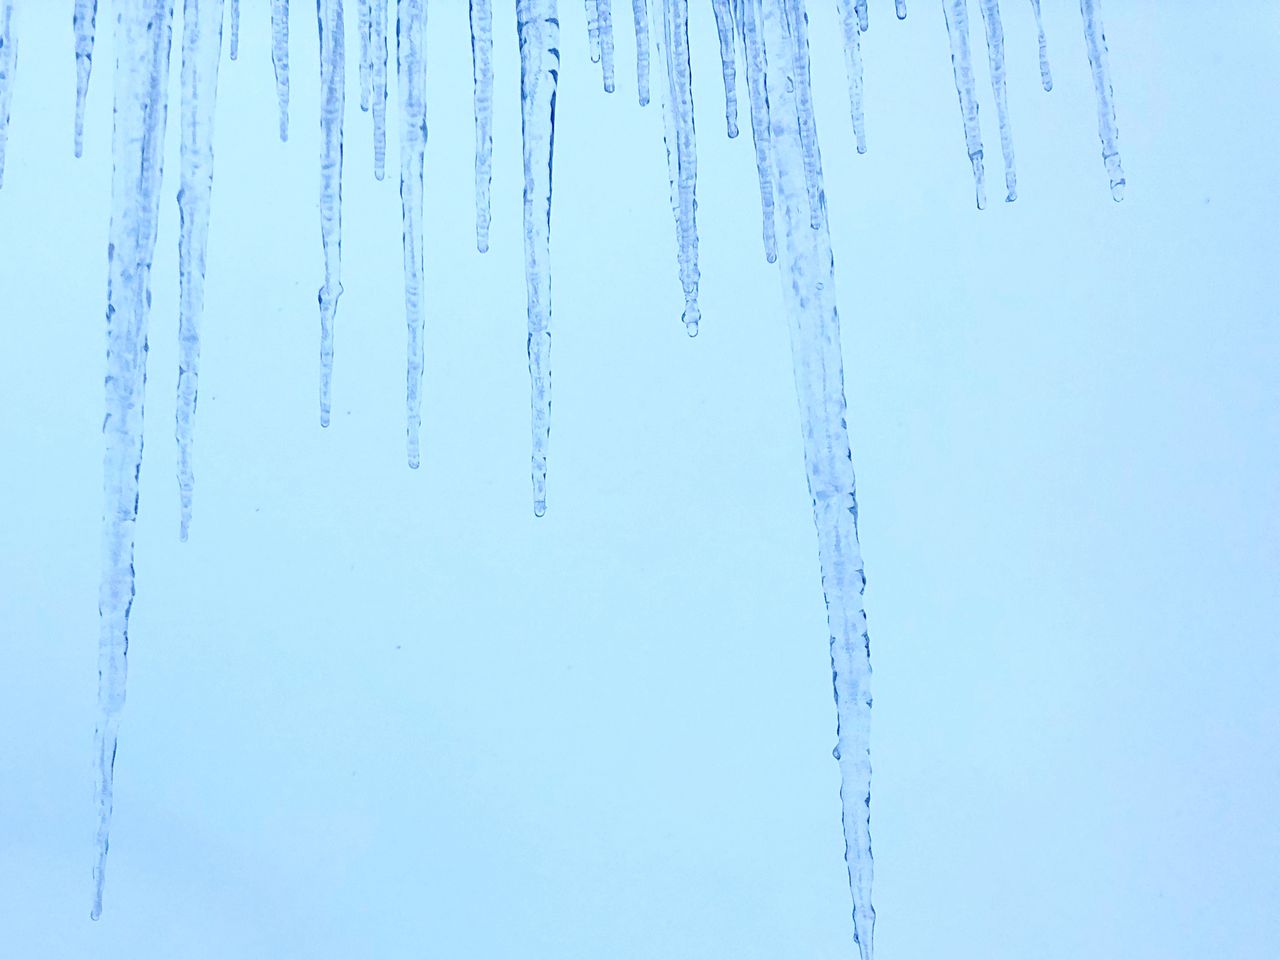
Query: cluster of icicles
pixel 771 38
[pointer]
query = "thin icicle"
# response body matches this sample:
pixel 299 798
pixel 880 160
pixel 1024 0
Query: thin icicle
pixel 682 155
pixel 235 29
pixel 901 9
pixel 378 51
pixel 995 57
pixel 201 50
pixel 957 15
pixel 142 39
pixel 798 24
pixel 332 105
pixel 593 29
pixel 280 60
pixel 604 16
pixel 860 7
pixel 853 70
pixel 411 66
pixel 482 79
pixel 758 96
pixel 728 71
pixel 84 21
pixel 808 284
pixel 1046 76
pixel 538 29
pixel 640 15
pixel 8 67
pixel 363 18
pixel 1096 40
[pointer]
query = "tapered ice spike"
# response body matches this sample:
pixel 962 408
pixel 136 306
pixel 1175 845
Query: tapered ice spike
pixel 411 68
pixel 201 51
pixel 1046 76
pixel 728 71
pixel 378 95
pixel 332 105
pixel 853 70
pixel 538 30
pixel 808 286
pixel 8 67
pixel 363 18
pixel 1096 41
pixel 235 29
pixel 481 13
pixel 280 60
pixel 748 21
pixel 84 22
pixel 957 16
pixel 995 57
pixel 640 15
pixel 143 35
pixel 604 16
pixel 593 30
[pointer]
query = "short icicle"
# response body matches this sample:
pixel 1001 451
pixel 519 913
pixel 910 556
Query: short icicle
pixel 808 286
pixel 1046 76
pixel 682 155
pixel 1096 40
pixel 593 29
pixel 143 34
pixel 201 50
pixel 538 29
pixel 957 16
pixel 728 71
pixel 280 60
pixel 411 68
pixel 640 16
pixel 84 21
pixel 8 67
pixel 999 91
pixel 900 8
pixel 481 13
pixel 604 17
pixel 332 104
pixel 235 29
pixel 363 17
pixel 749 13
pixel 378 93
pixel 853 70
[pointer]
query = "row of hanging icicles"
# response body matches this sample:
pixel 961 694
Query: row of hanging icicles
pixel 788 164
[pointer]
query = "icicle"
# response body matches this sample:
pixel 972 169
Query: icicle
pixel 142 39
pixel 8 66
pixel 593 30
pixel 482 79
pixel 539 32
pixel 411 66
pixel 724 28
pixel 808 285
pixel 363 22
pixel 853 70
pixel 332 104
pixel 378 48
pixel 758 95
pixel 201 50
pixel 901 9
pixel 1046 77
pixel 957 15
pixel 280 59
pixel 640 14
pixel 995 57
pixel 604 16
pixel 860 7
pixel 1091 12
pixel 799 26
pixel 84 22
pixel 682 156
pixel 235 29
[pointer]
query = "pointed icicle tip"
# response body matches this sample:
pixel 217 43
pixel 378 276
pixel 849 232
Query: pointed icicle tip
pixel 539 508
pixel 1117 190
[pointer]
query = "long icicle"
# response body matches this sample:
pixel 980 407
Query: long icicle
pixel 538 29
pixel 364 16
pixel 378 94
pixel 728 71
pixel 957 16
pixel 1096 40
pixel 143 35
pixel 332 104
pixel 640 16
pixel 682 155
pixel 853 70
pixel 758 94
pixel 8 67
pixel 235 29
pixel 280 60
pixel 808 286
pixel 201 50
pixel 604 16
pixel 411 67
pixel 481 13
pixel 1046 75
pixel 84 21
pixel 995 57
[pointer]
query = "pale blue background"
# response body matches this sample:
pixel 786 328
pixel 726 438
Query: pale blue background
pixel 376 713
